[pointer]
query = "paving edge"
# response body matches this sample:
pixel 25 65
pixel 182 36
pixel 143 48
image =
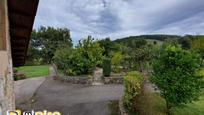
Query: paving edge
pixel 121 108
pixel 31 100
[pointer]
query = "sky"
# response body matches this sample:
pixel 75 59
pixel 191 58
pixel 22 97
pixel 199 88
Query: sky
pixel 122 18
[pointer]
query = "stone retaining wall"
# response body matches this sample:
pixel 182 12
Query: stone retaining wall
pixel 88 79
pixel 113 80
pixel 77 79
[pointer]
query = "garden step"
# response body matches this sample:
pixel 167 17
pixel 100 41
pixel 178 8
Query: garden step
pixel 97 80
pixel 97 83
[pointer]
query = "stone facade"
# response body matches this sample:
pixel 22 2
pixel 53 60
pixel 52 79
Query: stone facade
pixel 7 100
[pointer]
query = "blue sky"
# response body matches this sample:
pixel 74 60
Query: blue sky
pixel 120 18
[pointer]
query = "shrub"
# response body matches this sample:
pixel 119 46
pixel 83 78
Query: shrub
pixel 106 67
pixel 198 46
pixel 116 60
pixel 61 57
pixel 133 88
pixel 201 73
pixel 175 73
pixel 80 60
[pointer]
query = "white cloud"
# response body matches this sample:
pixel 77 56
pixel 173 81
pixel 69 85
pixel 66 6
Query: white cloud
pixel 118 18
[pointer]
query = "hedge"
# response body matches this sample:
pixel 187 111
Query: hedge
pixel 133 86
pixel 106 67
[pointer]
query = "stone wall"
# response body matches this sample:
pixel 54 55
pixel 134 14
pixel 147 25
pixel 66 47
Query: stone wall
pixel 89 79
pixel 113 80
pixel 77 79
pixel 97 77
pixel 7 100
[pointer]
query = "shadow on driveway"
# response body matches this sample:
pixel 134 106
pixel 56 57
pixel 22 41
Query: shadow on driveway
pixel 73 99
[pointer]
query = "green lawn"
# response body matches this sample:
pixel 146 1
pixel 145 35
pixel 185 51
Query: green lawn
pixel 34 71
pixel 196 108
pixel 153 104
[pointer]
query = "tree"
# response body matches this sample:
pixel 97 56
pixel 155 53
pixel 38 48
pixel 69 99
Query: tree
pixel 91 50
pixel 185 42
pixel 107 44
pixel 170 41
pixel 34 53
pixel 135 53
pixel 79 60
pixel 62 57
pixel 142 56
pixel 198 45
pixel 155 42
pixel 127 60
pixel 46 40
pixel 136 43
pixel 109 47
pixel 116 60
pixel 175 74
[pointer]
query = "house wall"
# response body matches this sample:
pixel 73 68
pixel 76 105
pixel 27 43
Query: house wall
pixel 2 23
pixel 7 98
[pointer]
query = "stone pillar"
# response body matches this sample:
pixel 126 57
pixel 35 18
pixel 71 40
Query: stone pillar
pixel 7 98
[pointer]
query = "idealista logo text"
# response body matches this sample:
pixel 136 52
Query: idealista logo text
pixel 45 112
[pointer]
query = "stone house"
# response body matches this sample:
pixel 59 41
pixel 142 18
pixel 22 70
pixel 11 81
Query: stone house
pixel 16 22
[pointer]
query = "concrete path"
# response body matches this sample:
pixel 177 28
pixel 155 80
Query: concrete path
pixel 25 89
pixel 72 99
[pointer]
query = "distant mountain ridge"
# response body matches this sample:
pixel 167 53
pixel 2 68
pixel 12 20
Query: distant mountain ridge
pixel 160 37
pixel 152 37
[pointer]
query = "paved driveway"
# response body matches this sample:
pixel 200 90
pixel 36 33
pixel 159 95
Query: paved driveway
pixel 72 99
pixel 25 89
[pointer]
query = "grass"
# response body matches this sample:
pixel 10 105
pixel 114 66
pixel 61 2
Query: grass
pixel 196 108
pixel 34 71
pixel 153 104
